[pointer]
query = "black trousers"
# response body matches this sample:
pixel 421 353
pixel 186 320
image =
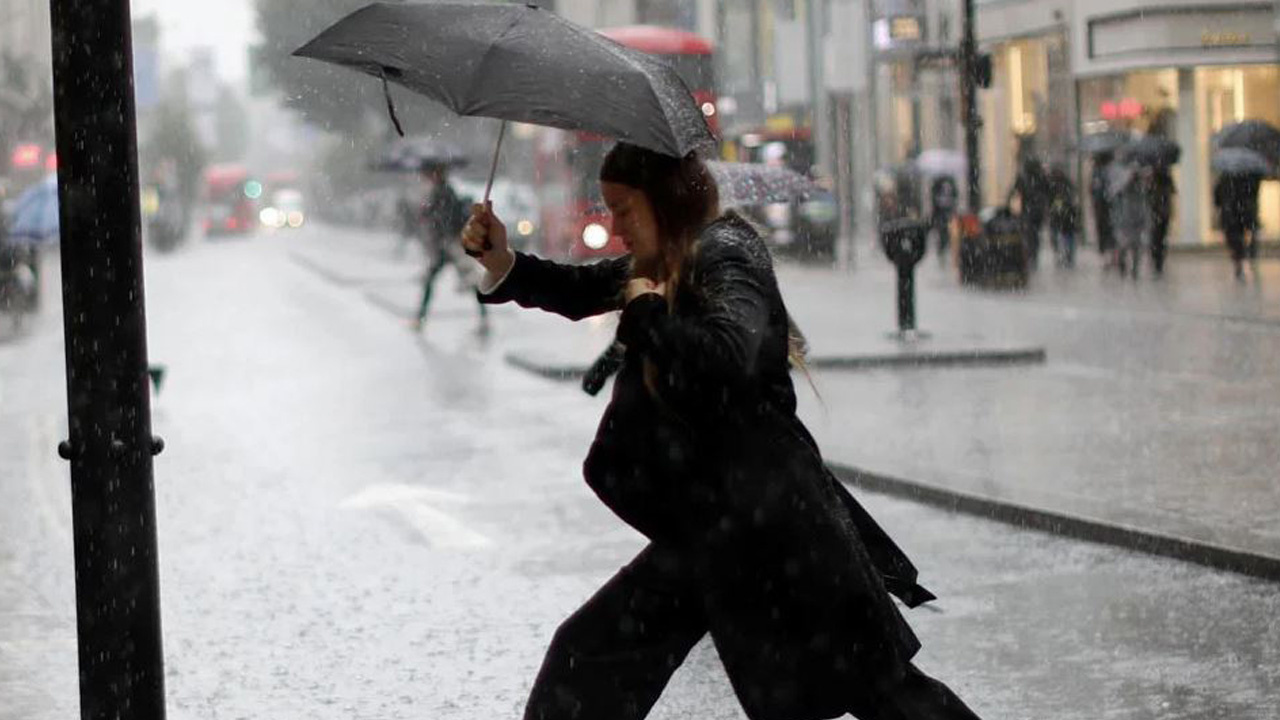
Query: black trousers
pixel 438 264
pixel 612 658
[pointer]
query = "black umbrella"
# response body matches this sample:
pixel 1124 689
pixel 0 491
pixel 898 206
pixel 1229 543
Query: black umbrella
pixel 1255 135
pixel 1107 141
pixel 748 184
pixel 1241 161
pixel 519 63
pixel 1152 150
pixel 413 154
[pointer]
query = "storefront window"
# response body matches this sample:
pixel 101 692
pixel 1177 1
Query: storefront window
pixel 1031 103
pixel 1231 94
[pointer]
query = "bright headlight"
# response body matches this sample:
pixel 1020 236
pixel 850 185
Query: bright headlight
pixel 595 236
pixel 295 218
pixel 269 217
pixel 524 227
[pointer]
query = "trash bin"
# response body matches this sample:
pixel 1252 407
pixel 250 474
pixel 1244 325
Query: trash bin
pixel 995 257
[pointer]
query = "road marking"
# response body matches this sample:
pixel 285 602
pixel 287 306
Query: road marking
pixel 416 507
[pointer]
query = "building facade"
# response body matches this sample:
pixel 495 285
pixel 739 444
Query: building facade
pixel 1181 68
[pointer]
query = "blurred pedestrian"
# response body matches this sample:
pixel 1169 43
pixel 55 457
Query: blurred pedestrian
pixel 1128 185
pixel 442 218
pixel 1102 208
pixel 751 538
pixel 1064 215
pixel 943 198
pixel 1161 197
pixel 1236 197
pixel 1032 190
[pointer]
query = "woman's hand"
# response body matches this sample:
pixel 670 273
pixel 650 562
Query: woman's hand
pixel 643 286
pixel 484 237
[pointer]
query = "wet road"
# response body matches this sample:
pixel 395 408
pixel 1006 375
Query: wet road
pixel 359 522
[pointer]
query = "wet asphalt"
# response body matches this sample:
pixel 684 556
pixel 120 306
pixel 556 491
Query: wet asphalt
pixel 359 521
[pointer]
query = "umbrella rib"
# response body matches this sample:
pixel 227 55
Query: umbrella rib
pixel 484 60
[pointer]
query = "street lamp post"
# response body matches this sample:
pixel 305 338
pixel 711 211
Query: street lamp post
pixel 968 101
pixel 110 446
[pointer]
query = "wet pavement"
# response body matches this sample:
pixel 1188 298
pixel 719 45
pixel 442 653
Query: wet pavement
pixel 357 521
pixel 1157 408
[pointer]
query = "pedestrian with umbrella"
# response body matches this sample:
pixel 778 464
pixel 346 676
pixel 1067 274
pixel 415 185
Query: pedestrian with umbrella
pixel 700 449
pixel 441 219
pixel 1101 199
pixel 1235 194
pixel 751 538
pixel 1156 154
pixel 1128 189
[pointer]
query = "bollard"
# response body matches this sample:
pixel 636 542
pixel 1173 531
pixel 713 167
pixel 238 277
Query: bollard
pixel 903 242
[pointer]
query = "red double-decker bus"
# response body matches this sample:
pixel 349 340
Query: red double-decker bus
pixel 575 224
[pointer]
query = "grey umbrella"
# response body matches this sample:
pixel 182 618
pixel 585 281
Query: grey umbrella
pixel 748 184
pixel 519 63
pixel 1255 135
pixel 1241 161
pixel 1152 151
pixel 1107 141
pixel 412 154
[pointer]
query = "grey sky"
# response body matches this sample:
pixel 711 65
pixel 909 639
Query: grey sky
pixel 225 25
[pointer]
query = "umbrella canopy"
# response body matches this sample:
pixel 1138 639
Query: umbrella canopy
pixel 520 63
pixel 749 184
pixel 412 154
pixel 35 214
pixel 1255 135
pixel 1240 161
pixel 1107 141
pixel 937 161
pixel 1152 150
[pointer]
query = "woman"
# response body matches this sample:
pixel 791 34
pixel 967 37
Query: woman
pixel 700 449
pixel 1130 214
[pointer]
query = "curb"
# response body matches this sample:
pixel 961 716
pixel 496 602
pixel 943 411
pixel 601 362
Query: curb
pixel 956 358
pixel 1062 524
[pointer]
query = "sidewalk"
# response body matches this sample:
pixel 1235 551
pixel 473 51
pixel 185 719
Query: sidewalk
pixel 1151 424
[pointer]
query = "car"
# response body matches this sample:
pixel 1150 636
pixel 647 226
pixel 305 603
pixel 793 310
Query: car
pixel 285 209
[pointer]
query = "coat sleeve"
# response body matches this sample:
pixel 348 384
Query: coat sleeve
pixel 721 342
pixel 574 291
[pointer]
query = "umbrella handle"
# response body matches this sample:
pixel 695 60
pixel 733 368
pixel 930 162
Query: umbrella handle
pixel 493 169
pixel 488 186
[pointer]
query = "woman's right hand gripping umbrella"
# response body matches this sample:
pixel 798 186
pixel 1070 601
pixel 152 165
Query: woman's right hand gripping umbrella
pixel 484 237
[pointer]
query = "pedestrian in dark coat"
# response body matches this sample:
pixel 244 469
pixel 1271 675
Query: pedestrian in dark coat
pixel 1064 213
pixel 441 218
pixel 1236 197
pixel 943 196
pixel 700 449
pixel 1032 188
pixel 1102 207
pixel 1161 197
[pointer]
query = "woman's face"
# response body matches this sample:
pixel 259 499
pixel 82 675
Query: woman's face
pixel 633 221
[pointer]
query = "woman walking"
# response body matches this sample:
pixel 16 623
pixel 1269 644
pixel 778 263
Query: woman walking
pixel 700 449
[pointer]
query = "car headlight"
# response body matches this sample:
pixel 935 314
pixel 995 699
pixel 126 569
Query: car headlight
pixel 524 227
pixel 295 219
pixel 595 236
pixel 269 217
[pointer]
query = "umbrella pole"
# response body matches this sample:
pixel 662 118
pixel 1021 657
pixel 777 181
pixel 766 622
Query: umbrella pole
pixel 493 169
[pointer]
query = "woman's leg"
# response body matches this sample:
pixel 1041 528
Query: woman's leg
pixel 611 659
pixel 917 697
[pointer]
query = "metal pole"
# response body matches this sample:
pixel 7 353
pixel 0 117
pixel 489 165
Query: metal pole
pixel 968 99
pixel 110 445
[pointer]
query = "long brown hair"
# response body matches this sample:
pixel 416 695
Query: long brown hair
pixel 683 196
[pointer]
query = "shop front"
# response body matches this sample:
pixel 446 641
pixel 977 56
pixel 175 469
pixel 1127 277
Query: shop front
pixel 1185 73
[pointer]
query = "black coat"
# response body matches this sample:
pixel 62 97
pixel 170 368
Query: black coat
pixel 793 573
